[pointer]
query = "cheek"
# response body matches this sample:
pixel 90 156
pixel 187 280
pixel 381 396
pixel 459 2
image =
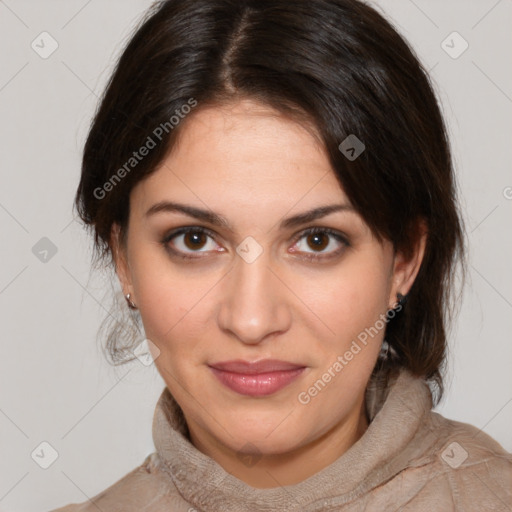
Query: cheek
pixel 347 300
pixel 173 302
pixel 351 303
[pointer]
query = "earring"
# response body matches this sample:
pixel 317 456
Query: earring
pixel 402 299
pixel 131 305
pixel 384 349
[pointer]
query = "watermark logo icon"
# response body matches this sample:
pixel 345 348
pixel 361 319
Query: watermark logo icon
pixel 44 455
pixel 44 250
pixel 454 455
pixel 249 250
pixel 44 45
pixel 146 352
pixel 454 45
pixel 351 147
pixel 249 455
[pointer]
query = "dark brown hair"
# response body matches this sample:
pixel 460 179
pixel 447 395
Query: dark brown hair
pixel 337 64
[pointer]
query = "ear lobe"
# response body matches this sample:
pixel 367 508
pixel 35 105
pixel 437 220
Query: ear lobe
pixel 407 265
pixel 119 258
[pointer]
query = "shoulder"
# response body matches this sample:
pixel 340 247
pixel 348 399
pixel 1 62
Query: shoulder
pixel 466 466
pixel 144 488
pixel 466 444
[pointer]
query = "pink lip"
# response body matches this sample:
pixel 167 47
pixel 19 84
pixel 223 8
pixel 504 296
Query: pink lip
pixel 259 378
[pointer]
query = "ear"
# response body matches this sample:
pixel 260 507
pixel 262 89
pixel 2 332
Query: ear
pixel 407 265
pixel 120 258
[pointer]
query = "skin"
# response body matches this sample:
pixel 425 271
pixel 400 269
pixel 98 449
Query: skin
pixel 254 167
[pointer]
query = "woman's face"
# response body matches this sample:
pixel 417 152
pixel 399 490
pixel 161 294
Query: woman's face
pixel 256 285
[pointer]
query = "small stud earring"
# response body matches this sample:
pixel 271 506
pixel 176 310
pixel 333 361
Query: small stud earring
pixel 402 299
pixel 131 305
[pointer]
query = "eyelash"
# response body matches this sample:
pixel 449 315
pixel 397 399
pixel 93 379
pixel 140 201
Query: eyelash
pixel 310 231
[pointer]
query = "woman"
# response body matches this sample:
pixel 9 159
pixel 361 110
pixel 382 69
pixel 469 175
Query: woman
pixel 272 182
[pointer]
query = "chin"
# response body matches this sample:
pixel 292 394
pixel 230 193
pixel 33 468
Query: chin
pixel 255 443
pixel 268 433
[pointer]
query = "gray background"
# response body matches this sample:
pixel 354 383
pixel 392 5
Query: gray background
pixel 55 385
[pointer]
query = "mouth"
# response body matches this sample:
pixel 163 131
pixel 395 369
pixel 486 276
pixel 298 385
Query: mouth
pixel 258 378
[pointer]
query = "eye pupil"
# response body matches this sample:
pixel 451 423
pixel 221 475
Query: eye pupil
pixel 198 239
pixel 317 240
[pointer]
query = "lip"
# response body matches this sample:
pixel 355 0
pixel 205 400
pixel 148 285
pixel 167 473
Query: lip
pixel 256 378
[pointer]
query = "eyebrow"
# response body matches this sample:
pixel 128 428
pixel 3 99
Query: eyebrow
pixel 217 220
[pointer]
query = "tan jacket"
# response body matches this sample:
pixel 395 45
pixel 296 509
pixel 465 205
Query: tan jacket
pixel 409 459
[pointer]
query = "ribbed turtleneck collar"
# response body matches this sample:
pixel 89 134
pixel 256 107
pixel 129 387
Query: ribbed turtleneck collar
pixel 395 416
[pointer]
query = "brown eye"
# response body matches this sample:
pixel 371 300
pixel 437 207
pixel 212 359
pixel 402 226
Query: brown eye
pixel 194 239
pixel 318 241
pixel 314 243
pixel 188 241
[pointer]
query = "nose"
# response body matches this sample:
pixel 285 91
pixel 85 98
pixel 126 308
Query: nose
pixel 254 302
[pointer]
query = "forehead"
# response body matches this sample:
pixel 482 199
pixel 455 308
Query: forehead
pixel 248 135
pixel 246 150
